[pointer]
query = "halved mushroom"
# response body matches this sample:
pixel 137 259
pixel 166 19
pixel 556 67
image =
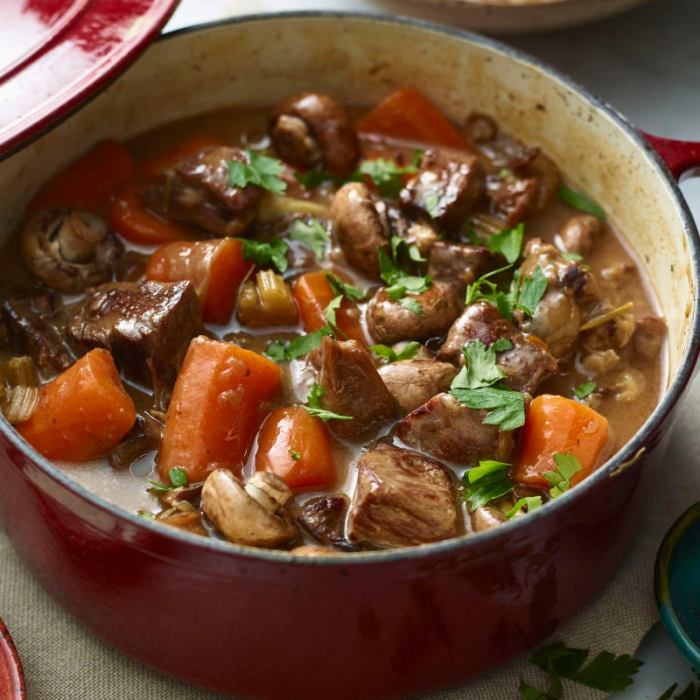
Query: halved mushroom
pixel 253 514
pixel 309 129
pixel 70 249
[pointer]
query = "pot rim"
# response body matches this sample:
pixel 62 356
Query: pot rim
pixel 626 456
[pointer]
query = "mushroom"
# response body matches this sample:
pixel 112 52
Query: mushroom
pixel 579 233
pixel 70 249
pixel 253 514
pixel 310 129
pixel 360 227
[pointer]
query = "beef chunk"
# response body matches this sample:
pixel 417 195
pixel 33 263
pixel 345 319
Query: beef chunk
pixel 401 499
pixel 445 429
pixel 390 321
pixel 447 186
pixel 459 265
pixel 28 333
pixel 352 387
pixel 413 382
pixel 360 227
pixel 323 518
pixel 571 292
pixel 526 364
pixel 147 326
pixel 198 191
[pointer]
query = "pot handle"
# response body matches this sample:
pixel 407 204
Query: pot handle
pixel 682 157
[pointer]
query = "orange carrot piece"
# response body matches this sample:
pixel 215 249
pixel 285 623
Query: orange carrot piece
pixel 83 413
pixel 216 268
pixel 88 182
pixel 557 424
pixel 296 446
pixel 171 157
pixel 313 293
pixel 408 115
pixel 215 409
pixel 130 218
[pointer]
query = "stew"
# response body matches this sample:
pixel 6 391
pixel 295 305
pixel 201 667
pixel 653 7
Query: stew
pixel 325 329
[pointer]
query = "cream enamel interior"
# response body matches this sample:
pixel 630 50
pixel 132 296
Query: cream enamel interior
pixel 359 60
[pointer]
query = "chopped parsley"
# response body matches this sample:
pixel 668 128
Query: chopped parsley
pixel 316 176
pixel 312 233
pixel 529 503
pixel 344 289
pixel 266 254
pixel 584 390
pixel 387 175
pixel 313 406
pixel 177 476
pixel 431 204
pixel 529 291
pixel 260 170
pixel 571 257
pixel 509 243
pixel 401 245
pixel 294 454
pixel 413 306
pixel 487 482
pixel 580 201
pixel 479 386
pixel 560 479
pixel 330 310
pixel 399 282
pixel 286 350
pixel 407 352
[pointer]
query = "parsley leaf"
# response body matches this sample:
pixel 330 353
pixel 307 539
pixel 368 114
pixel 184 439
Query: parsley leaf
pixel 177 476
pixel 316 176
pixel 529 502
pixel 285 350
pixel 508 242
pixel 261 170
pixel 585 389
pixel 571 257
pixel 399 283
pixel 413 306
pixel 386 175
pixel 486 482
pixel 294 454
pixel 344 289
pixel 313 406
pixel 560 480
pixel 312 234
pixel 580 201
pixel 401 245
pixel 330 310
pixel 408 351
pixel 480 368
pixel 266 254
pixel 529 291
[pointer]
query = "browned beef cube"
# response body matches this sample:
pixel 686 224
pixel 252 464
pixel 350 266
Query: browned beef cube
pixel 198 191
pixel 447 186
pixel 413 382
pixel 525 365
pixel 414 317
pixel 446 429
pixel 147 326
pixel 28 333
pixel 459 265
pixel 323 518
pixel 352 387
pixel 401 499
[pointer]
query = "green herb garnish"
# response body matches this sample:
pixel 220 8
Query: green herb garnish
pixel 266 254
pixel 344 289
pixel 177 476
pixel 316 176
pixel 286 350
pixel 486 482
pixel 386 175
pixel 572 257
pixel 580 201
pixel 560 479
pixel 412 305
pixel 311 233
pixel 408 351
pixel 509 243
pixel 398 281
pixel 584 390
pixel 330 310
pixel 294 454
pixel 261 170
pixel 313 406
pixel 529 503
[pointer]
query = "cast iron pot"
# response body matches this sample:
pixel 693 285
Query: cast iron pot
pixel 268 624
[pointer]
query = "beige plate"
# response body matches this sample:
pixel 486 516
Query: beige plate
pixel 510 16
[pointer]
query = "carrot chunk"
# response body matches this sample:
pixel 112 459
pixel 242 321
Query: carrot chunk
pixel 216 268
pixel 295 445
pixel 130 218
pixel 83 413
pixel 408 115
pixel 88 182
pixel 556 424
pixel 216 408
pixel 313 293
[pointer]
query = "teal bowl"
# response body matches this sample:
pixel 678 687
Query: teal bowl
pixel 677 583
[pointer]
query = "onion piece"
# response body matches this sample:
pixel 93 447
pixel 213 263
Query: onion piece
pixel 20 403
pixel 607 316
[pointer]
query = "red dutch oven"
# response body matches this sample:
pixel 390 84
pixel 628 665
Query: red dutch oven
pixel 267 624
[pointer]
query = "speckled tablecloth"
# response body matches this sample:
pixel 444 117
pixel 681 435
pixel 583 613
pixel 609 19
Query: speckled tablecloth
pixel 648 64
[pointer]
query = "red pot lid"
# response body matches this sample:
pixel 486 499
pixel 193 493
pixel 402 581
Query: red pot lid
pixel 11 676
pixel 57 53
